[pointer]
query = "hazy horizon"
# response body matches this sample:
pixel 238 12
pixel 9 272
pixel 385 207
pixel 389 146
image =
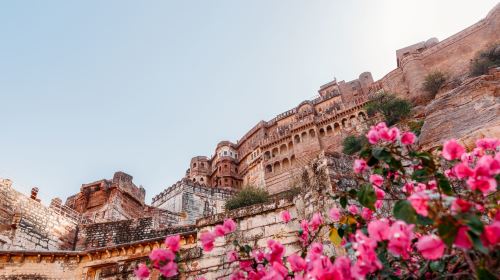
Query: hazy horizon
pixel 90 88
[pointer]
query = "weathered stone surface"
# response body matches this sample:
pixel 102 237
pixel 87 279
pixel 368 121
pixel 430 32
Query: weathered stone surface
pixel 468 112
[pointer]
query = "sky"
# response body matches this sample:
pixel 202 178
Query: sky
pixel 88 88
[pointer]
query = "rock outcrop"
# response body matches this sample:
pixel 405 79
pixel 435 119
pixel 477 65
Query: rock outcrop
pixel 467 112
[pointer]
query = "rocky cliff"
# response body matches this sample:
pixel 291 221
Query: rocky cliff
pixel 467 112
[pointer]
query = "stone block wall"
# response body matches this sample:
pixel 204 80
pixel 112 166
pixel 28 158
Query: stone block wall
pixel 100 235
pixel 192 200
pixel 27 224
pixel 255 225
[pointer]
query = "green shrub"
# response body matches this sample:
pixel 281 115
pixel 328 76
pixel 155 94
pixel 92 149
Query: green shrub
pixel 485 60
pixel 352 144
pixel 392 108
pixel 416 126
pixel 247 196
pixel 433 82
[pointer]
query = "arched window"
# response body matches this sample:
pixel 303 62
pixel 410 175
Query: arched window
pixel 297 139
pixel 275 152
pixel 292 160
pixel 290 145
pixel 269 168
pixel 336 127
pixel 344 123
pixel 362 116
pixel 285 164
pixel 277 166
pixel 283 149
pixel 303 135
pixel 312 133
pixel 321 132
pixel 267 155
pixel 194 165
pixel 328 129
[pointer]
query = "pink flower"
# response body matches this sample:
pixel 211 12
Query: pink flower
pixel 462 171
pixel 158 256
pixel 373 136
pixel 379 229
pixel 378 204
pixel 432 185
pixel 460 205
pixel 304 231
pixel 419 201
pixel 316 249
pixel 366 214
pixel 316 221
pixel 258 255
pixel 486 185
pixel 296 263
pixel 285 216
pixel 277 251
pixel 408 138
pixel 449 173
pixel 207 240
pixel 229 225
pixel 431 247
pixel 408 188
pixel 367 261
pixel 400 236
pixel 334 214
pixel 376 179
pixel 360 165
pixel 488 143
pixel 452 150
pixel 390 134
pixel 462 240
pixel 232 256
pixel 353 209
pixel 487 166
pixel 343 266
pixel 219 231
pixel 173 243
pixel 492 233
pixel 142 271
pixel 379 193
pixel 169 270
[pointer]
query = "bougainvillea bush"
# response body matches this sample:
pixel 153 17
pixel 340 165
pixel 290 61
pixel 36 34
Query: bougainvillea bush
pixel 413 215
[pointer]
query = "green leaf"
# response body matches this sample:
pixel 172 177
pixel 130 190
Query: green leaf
pixel 475 225
pixel 340 232
pixel 484 274
pixel 365 153
pixel 353 192
pixel 444 184
pixel 420 175
pixel 382 154
pixel 372 161
pixel 425 221
pixel 447 230
pixel 247 248
pixel 437 266
pixel 343 201
pixel 404 211
pixel 477 243
pixel 367 196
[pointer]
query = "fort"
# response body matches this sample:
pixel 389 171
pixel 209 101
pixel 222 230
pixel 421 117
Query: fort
pixel 107 228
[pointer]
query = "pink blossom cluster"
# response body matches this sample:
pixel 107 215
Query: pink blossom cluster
pixel 162 259
pixel 381 132
pixel 208 238
pixel 479 167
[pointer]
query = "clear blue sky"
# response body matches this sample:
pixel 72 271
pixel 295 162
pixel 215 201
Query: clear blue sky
pixel 91 87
